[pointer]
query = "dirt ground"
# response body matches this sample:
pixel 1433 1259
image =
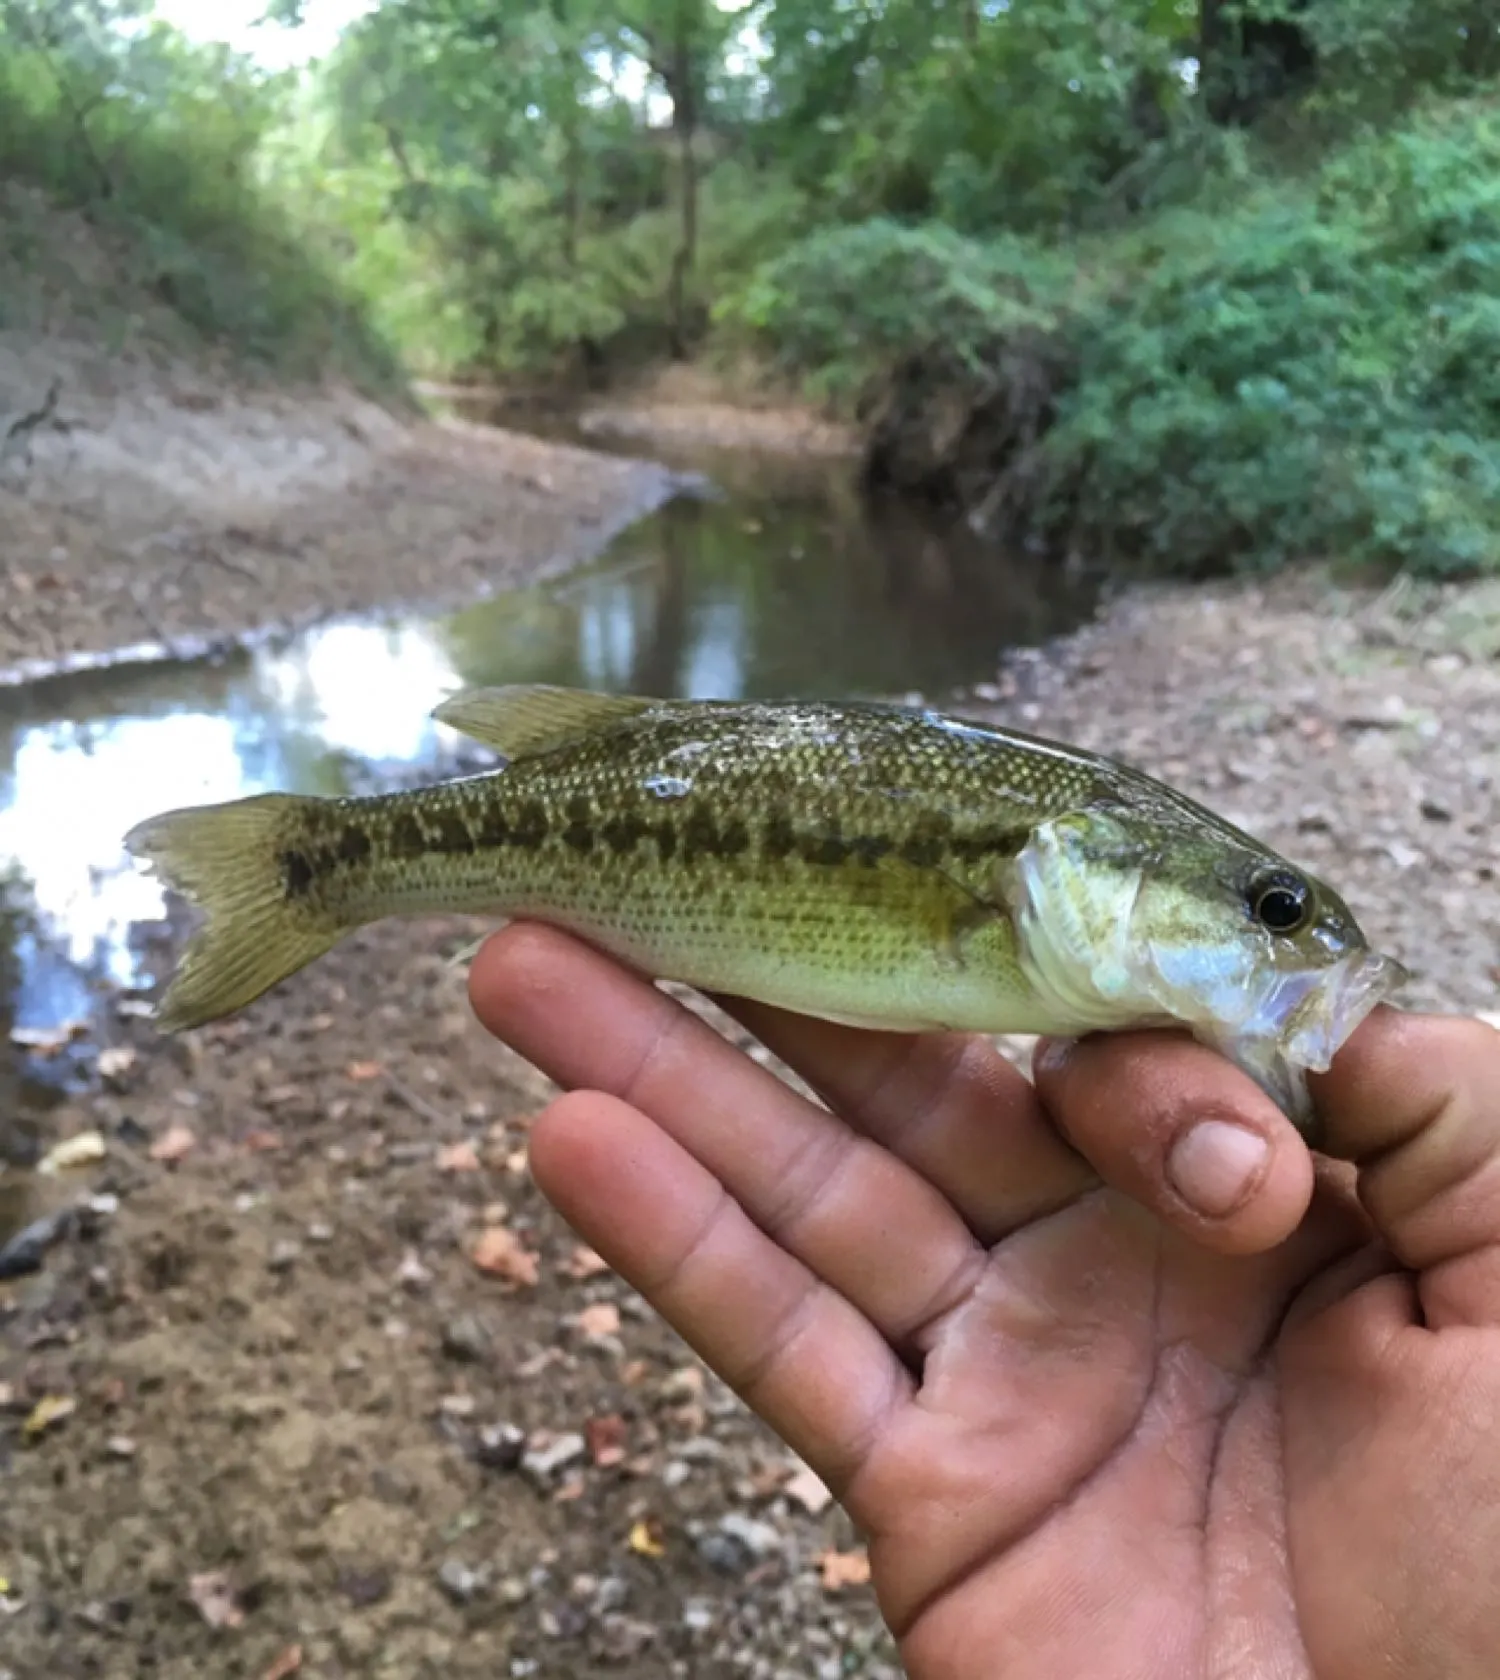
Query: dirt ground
pixel 263 1412
pixel 287 1370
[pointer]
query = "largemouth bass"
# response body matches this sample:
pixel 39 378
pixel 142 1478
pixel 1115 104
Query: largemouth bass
pixel 863 863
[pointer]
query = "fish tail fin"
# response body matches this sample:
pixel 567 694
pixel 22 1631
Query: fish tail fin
pixel 231 861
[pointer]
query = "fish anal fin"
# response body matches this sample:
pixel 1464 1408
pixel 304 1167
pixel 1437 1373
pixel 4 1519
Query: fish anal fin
pixel 522 720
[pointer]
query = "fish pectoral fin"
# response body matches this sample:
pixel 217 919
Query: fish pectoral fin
pixel 523 720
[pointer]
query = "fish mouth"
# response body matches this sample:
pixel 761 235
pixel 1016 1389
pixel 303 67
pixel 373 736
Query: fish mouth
pixel 1314 1015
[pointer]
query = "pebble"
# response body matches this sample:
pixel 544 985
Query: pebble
pixel 500 1446
pixel 542 1462
pixel 758 1538
pixel 698 1615
pixel 460 1583
pixel 284 1254
pixel 464 1337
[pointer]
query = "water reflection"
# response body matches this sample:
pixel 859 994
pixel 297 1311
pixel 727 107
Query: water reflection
pixel 812 592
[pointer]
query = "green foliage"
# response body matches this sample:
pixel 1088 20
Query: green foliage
pixel 1315 371
pixel 158 140
pixel 1221 271
pixel 849 303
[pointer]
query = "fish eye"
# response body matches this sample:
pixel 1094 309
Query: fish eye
pixel 1281 903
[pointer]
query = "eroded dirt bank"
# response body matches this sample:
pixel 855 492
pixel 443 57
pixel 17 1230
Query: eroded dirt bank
pixel 154 504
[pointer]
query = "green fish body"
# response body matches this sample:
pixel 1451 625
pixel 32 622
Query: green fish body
pixel 888 868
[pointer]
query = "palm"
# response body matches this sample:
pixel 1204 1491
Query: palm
pixel 1080 1441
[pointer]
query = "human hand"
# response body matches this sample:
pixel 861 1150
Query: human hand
pixel 1089 1429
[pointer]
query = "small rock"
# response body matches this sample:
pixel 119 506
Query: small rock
pixel 612 1593
pixel 723 1553
pixel 459 1583
pixel 542 1461
pixel 759 1539
pixel 500 1446
pixel 120 1446
pixel 562 1621
pixel 411 1274
pixel 285 1253
pixel 513 1590
pixel 622 1637
pixel 698 1615
pixel 364 1587
pixel 464 1337
pixel 24 1253
pixel 318 1232
pixel 1435 810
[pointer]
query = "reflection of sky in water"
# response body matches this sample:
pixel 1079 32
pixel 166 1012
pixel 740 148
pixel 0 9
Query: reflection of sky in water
pixel 694 601
pixel 75 788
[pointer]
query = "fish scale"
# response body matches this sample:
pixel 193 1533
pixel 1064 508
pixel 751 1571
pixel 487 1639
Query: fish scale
pixel 866 863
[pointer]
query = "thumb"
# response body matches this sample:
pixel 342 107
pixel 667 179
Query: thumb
pixel 1414 1102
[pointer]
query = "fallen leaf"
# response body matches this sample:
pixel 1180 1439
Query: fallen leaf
pixel 502 1254
pixel 606 1439
pixel 809 1490
pixel 648 1538
pixel 49 1411
pixel 844 1569
pixel 174 1143
pixel 287 1664
pixel 602 1318
pixel 458 1158
pixel 584 1263
pixel 116 1061
pixel 365 1070
pixel 81 1150
pixel 215 1599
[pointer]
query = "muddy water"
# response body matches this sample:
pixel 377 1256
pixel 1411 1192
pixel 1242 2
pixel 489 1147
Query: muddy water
pixel 777 578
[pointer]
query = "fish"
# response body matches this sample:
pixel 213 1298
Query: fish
pixel 883 866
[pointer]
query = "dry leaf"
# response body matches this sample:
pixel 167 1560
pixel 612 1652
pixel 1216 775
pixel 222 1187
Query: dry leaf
pixel 174 1144
pixel 602 1318
pixel 809 1490
pixel 287 1664
pixel 81 1150
pixel 458 1158
pixel 606 1439
pixel 844 1569
pixel 648 1538
pixel 501 1253
pixel 365 1070
pixel 50 1410
pixel 215 1598
pixel 584 1263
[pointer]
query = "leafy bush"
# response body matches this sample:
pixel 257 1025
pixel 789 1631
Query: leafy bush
pixel 847 303
pixel 1317 371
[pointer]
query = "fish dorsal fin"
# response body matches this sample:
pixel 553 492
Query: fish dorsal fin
pixel 524 719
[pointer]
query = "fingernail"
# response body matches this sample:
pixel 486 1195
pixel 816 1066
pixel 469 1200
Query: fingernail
pixel 1051 1054
pixel 1215 1166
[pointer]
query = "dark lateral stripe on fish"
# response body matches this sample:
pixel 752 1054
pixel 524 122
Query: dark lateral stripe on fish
pixel 693 834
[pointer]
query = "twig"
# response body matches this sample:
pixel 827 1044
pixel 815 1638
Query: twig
pixel 415 1101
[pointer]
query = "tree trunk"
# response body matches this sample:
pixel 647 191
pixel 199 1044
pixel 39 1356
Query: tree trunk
pixel 682 85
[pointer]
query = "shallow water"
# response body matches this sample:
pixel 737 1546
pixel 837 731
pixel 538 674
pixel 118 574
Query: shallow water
pixel 778 579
